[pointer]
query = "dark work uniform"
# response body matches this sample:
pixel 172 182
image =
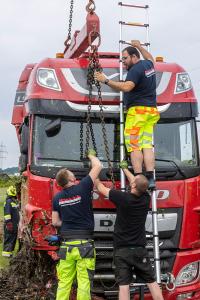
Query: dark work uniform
pixel 77 253
pixel 11 214
pixel 129 237
pixel 74 206
pixel 144 77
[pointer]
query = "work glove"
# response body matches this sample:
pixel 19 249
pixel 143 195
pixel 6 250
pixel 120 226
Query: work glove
pixel 9 226
pixel 91 152
pixel 123 164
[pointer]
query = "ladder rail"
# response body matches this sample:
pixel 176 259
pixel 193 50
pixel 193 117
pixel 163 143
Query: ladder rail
pixel 154 200
pixel 122 150
pixel 147 29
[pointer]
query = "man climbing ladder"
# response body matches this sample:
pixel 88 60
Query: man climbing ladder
pixel 140 100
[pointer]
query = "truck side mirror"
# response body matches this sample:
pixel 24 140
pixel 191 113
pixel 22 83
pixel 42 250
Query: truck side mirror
pixel 23 160
pixel 24 139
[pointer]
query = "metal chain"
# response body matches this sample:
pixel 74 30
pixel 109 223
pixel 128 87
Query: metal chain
pixel 95 66
pixel 93 139
pixel 67 42
pixel 90 80
pixel 81 140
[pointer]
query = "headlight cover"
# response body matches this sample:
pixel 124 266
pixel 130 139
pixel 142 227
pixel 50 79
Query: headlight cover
pixel 183 83
pixel 188 274
pixel 47 78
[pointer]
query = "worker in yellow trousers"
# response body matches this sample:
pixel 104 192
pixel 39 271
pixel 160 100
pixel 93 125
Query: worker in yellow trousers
pixel 73 212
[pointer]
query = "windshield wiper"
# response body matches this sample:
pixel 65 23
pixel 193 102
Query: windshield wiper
pixel 173 162
pixel 57 159
pixel 76 160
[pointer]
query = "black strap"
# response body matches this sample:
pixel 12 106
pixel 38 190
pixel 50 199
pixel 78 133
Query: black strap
pixel 77 234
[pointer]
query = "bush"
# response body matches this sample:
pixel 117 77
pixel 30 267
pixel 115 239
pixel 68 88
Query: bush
pixel 6 181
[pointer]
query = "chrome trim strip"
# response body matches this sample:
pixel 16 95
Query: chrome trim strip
pixel 112 109
pixel 166 222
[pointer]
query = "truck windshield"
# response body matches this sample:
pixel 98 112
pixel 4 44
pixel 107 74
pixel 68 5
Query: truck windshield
pixel 176 141
pixel 63 144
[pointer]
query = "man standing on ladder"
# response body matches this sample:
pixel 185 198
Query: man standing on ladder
pixel 140 100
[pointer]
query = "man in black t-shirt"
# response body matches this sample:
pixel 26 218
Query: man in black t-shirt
pixel 73 212
pixel 129 235
pixel 140 100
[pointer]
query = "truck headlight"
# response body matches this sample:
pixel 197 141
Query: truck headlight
pixel 188 274
pixel 183 83
pixel 47 78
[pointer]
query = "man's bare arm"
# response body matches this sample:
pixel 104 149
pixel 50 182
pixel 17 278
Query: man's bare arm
pixel 124 166
pixel 129 175
pixel 125 86
pixel 96 167
pixel 102 189
pixel 143 51
pixel 56 221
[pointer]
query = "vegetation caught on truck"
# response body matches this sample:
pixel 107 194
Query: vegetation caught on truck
pixel 50 114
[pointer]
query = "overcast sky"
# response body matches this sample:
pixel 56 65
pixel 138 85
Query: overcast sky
pixel 34 29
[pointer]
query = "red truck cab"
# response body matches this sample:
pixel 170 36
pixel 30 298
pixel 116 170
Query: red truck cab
pixel 50 118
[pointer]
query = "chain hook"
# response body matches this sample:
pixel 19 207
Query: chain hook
pixel 171 282
pixel 90 7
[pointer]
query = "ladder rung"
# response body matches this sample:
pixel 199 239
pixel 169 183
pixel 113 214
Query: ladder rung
pixel 129 43
pixel 134 24
pixel 135 6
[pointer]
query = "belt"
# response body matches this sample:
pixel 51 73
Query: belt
pixel 76 234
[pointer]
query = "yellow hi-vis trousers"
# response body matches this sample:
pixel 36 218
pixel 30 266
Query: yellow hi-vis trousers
pixel 77 260
pixel 140 121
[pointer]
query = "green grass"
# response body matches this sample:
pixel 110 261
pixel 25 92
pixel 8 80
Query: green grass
pixel 2 199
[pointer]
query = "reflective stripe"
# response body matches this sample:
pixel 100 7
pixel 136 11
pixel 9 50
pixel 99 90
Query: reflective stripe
pixel 132 137
pixel 147 134
pixel 147 142
pixel 77 242
pixel 14 204
pixel 7 254
pixel 7 217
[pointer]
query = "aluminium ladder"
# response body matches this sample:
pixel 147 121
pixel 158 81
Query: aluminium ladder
pixel 122 148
